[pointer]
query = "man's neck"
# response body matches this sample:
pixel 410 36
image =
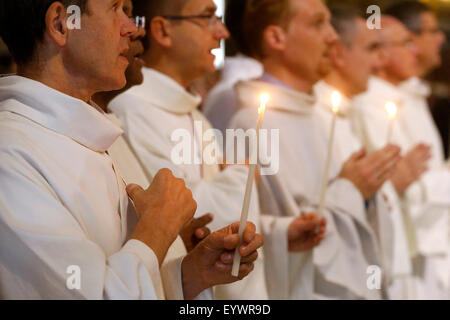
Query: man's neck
pixel 54 76
pixel 385 76
pixel 164 65
pixel 335 80
pixel 285 75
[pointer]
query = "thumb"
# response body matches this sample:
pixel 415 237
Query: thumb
pixel 358 155
pixel 134 191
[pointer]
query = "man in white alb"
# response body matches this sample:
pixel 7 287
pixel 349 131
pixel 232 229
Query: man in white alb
pixel 295 54
pixel 180 37
pixel 426 201
pixel 63 205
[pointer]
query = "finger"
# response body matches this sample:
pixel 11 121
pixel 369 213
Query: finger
pixel 202 221
pixel 358 155
pixel 134 191
pixel 250 258
pixel 202 233
pixel 244 269
pixel 387 170
pixel 222 239
pixel 228 258
pixel 254 245
pixel 383 157
pixel 163 175
pixel 231 242
pixel 249 232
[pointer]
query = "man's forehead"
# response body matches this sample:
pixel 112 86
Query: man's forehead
pixel 199 6
pixel 312 9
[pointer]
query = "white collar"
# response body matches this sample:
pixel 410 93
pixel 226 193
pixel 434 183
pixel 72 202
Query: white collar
pixel 281 98
pixel 324 92
pixel 416 87
pixel 165 93
pixel 382 91
pixel 58 112
pixel 241 67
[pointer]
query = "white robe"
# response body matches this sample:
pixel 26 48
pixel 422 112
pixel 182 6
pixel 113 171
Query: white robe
pixel 426 202
pixel 150 114
pixel 220 104
pixel 386 213
pixel 337 269
pixel 131 170
pixel 62 204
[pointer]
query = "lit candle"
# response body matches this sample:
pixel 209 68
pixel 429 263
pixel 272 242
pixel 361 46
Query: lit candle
pixel 336 102
pixel 248 190
pixel 391 109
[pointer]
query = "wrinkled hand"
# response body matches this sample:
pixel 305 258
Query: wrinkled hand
pixel 211 261
pixel 195 231
pixel 164 209
pixel 369 172
pixel 302 232
pixel 412 166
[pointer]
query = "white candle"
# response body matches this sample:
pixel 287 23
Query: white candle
pixel 391 109
pixel 336 101
pixel 248 190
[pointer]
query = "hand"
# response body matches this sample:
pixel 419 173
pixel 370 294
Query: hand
pixel 302 232
pixel 210 263
pixel 411 167
pixel 369 172
pixel 164 209
pixel 196 231
pixel 224 166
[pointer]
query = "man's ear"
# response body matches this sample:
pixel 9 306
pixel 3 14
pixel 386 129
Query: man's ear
pixel 337 53
pixel 160 31
pixel 274 38
pixel 56 23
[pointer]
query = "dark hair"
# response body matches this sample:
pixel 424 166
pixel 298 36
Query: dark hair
pixel 343 20
pixel 22 25
pixel 409 13
pixel 260 14
pixel 156 8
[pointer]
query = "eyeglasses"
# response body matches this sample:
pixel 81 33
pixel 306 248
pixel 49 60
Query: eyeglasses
pixel 140 21
pixel 213 20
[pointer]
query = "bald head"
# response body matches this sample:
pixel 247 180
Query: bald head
pixel 399 49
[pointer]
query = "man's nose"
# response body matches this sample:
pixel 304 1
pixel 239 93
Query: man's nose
pixel 221 31
pixel 128 27
pixel 332 35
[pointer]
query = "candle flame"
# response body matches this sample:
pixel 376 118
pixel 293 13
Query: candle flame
pixel 264 100
pixel 391 109
pixel 336 101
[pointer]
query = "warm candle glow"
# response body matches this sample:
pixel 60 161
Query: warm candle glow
pixel 264 100
pixel 336 101
pixel 391 109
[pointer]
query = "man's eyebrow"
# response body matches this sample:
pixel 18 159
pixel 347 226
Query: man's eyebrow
pixel 210 8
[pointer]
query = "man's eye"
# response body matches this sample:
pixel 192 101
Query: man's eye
pixel 117 6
